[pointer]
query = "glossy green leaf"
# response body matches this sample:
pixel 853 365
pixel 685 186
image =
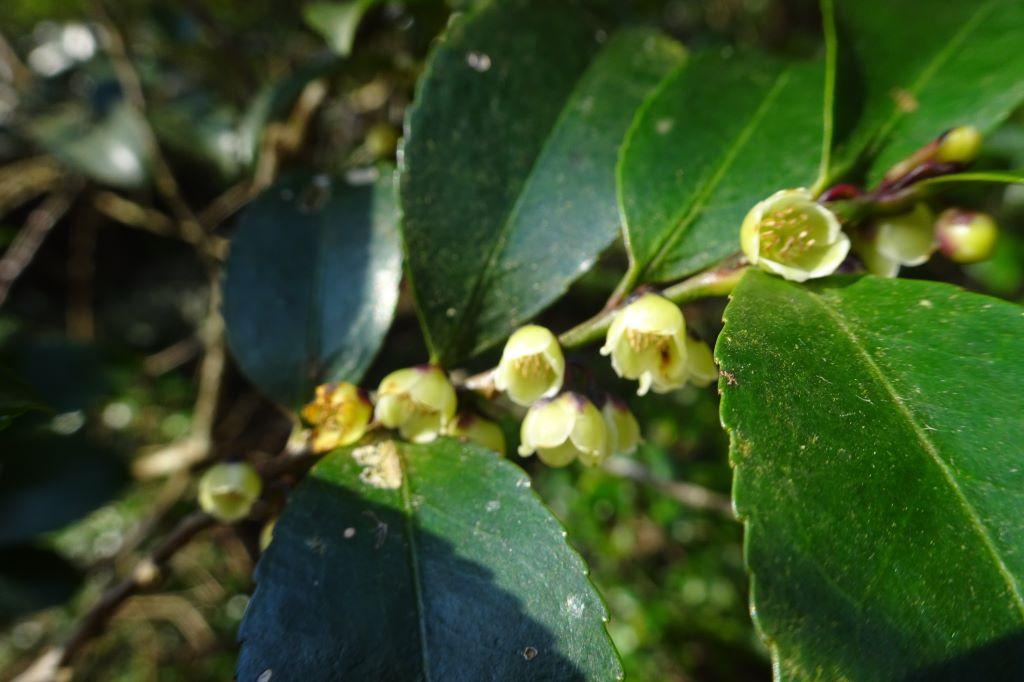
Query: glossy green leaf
pixel 31 579
pixel 48 481
pixel 878 445
pixel 422 562
pixel 507 187
pixel 719 135
pixel 111 148
pixel 311 283
pixel 337 22
pixel 914 68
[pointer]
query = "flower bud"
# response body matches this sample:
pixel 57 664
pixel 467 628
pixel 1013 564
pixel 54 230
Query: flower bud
pixel 470 427
pixel 227 491
pixel 647 342
pixel 339 414
pixel 792 235
pixel 966 236
pixel 563 429
pixel 700 363
pixel 418 401
pixel 623 429
pixel 866 246
pixel 908 238
pixel 959 145
pixel 532 365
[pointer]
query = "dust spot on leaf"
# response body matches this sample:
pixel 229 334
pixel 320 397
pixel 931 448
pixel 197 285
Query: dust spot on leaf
pixel 382 467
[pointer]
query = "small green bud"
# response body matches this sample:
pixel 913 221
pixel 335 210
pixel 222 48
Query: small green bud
pixel 623 429
pixel 792 235
pixel 227 491
pixel 381 140
pixel 418 401
pixel 959 145
pixel 966 236
pixel 647 342
pixel 339 414
pixel 565 428
pixel 532 365
pixel 470 427
pixel 908 238
pixel 700 363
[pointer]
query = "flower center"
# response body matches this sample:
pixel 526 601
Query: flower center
pixel 532 366
pixel 640 341
pixel 786 234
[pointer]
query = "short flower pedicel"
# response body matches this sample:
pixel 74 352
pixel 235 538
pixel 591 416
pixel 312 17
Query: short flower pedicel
pixel 532 365
pixel 647 342
pixel 476 429
pixel 418 401
pixel 339 414
pixel 563 429
pixel 227 491
pixel 792 235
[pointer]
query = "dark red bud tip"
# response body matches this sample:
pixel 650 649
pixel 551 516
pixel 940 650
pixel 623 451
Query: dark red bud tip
pixel 839 193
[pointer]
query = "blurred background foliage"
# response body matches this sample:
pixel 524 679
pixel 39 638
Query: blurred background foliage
pixel 119 124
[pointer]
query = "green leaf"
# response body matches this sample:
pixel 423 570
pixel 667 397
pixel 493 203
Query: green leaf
pixel 878 448
pixel 423 562
pixel 719 135
pixel 337 22
pixel 311 283
pixel 48 481
pixel 914 68
pixel 111 148
pixel 31 579
pixel 508 187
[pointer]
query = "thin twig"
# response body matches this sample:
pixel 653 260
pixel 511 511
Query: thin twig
pixel 689 494
pixel 132 214
pixel 20 75
pixel 21 252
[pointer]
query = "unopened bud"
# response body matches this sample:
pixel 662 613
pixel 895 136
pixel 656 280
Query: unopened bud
pixel 418 401
pixel 908 238
pixel 532 365
pixel 623 429
pixel 470 427
pixel 647 342
pixel 959 145
pixel 563 429
pixel 966 236
pixel 792 235
pixel 339 414
pixel 227 491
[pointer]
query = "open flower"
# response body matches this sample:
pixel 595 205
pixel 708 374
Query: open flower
pixel 966 236
pixel 647 342
pixel 565 428
pixel 532 365
pixel 701 369
pixel 418 401
pixel 227 491
pixel 470 427
pixel 339 414
pixel 623 429
pixel 792 235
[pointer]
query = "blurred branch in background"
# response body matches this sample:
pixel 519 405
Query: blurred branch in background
pixel 685 493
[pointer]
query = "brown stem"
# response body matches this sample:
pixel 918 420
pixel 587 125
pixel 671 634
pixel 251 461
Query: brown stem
pixel 21 252
pixel 689 494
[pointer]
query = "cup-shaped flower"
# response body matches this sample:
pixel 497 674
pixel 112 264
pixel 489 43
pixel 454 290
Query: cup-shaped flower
pixel 966 236
pixel 565 428
pixel 647 342
pixel 794 236
pixel 893 241
pixel 532 365
pixel 700 363
pixel 418 401
pixel 473 428
pixel 623 429
pixel 339 414
pixel 227 491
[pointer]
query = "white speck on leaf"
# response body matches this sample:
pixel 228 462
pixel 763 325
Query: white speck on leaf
pixel 382 467
pixel 575 606
pixel 664 125
pixel 478 61
pixel 493 506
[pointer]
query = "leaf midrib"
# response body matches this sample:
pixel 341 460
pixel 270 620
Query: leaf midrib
pixel 414 562
pixel 926 444
pixel 687 215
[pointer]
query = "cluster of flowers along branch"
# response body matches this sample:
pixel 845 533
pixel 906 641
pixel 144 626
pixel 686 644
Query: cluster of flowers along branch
pixel 795 233
pixel 799 236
